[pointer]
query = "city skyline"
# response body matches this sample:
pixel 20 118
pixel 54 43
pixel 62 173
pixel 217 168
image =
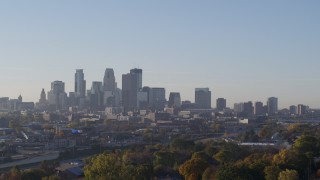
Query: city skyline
pixel 109 72
pixel 241 52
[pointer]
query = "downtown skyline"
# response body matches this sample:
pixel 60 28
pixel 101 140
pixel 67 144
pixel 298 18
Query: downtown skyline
pixel 241 52
pixel 89 86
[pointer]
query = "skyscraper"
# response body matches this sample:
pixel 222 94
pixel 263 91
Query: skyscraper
pixel 111 97
pixel 96 95
pixel 109 81
pixel 293 109
pixel 203 98
pixel 138 73
pixel 272 105
pixel 57 95
pixel 221 104
pixel 80 84
pixel 258 109
pixel 131 85
pixel 302 109
pixel 248 108
pixel 43 98
pixel 174 100
pixel 157 98
pixel 238 107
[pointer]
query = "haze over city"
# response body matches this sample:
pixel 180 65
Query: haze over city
pixel 241 51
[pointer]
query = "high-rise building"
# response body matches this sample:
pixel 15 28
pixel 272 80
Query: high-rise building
pixel 109 81
pixel 111 97
pixel 238 107
pixel 131 85
pixel 203 98
pixel 80 84
pixel 43 97
pixel 138 73
pixel 157 98
pixel 174 100
pixel 221 104
pixel 96 95
pixel 57 96
pixel 248 108
pixel 293 109
pixel 302 109
pixel 258 109
pixel 272 105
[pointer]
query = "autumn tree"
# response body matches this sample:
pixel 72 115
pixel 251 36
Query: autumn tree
pixel 193 168
pixel 271 172
pixel 288 175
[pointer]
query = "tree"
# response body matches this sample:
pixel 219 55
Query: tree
pixel 209 173
pixel 307 144
pixel 164 158
pixel 232 171
pixel 271 172
pixel 288 175
pixel 193 168
pixel 103 166
pixel 14 173
pixel 182 145
pixel 256 163
pixel 249 136
pixel 112 167
pixel 230 153
pixel 202 155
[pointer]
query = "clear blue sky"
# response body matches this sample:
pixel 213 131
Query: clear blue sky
pixel 241 50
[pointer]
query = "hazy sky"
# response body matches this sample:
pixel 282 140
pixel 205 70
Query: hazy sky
pixel 241 50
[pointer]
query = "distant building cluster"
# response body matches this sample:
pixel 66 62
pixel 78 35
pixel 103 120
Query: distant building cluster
pixel 106 96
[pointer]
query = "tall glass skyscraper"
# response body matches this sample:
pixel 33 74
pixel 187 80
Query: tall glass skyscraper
pixel 80 83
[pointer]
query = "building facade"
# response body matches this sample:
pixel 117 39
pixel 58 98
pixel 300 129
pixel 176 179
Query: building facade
pixel 131 85
pixel 272 105
pixel 221 104
pixel 174 100
pixel 203 98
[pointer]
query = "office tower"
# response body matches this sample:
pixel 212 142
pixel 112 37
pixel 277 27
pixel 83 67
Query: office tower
pixel 109 81
pixel 80 84
pixel 203 98
pixel 96 96
pixel 221 104
pixel 238 107
pixel 157 98
pixel 43 97
pixel 272 105
pixel 174 100
pixel 131 85
pixel 302 109
pixel 111 97
pixel 138 73
pixel 248 108
pixel 258 109
pixel 293 109
pixel 57 96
